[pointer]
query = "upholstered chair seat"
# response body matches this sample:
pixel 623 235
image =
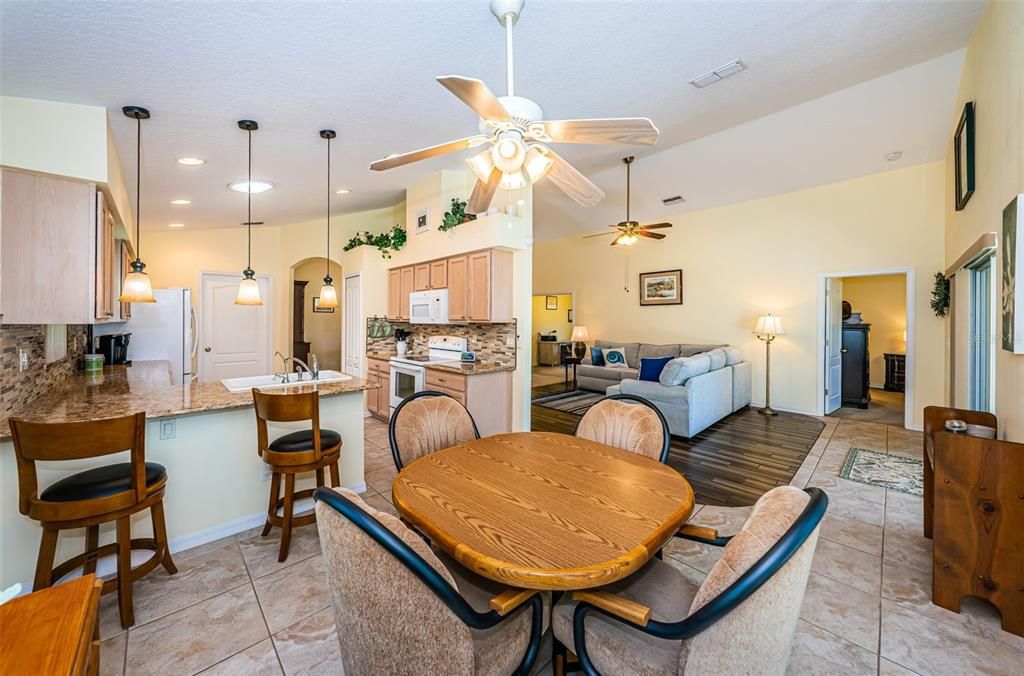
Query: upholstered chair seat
pixel 740 620
pixel 99 482
pixel 427 422
pixel 627 422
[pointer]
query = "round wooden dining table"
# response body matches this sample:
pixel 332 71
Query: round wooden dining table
pixel 539 510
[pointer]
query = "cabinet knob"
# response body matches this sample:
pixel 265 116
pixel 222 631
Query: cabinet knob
pixel 206 349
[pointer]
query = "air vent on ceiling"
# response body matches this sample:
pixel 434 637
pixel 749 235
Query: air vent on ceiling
pixel 717 74
pixel 677 199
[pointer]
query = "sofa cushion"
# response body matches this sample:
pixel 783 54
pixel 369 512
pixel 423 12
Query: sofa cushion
pixel 655 391
pixel 687 350
pixel 596 358
pixel 658 350
pixel 632 350
pixel 651 367
pixel 732 355
pixel 614 357
pixel 678 371
pixel 605 372
pixel 717 357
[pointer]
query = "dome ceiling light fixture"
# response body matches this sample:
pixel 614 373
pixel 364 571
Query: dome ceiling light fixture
pixel 137 287
pixel 328 292
pixel 249 288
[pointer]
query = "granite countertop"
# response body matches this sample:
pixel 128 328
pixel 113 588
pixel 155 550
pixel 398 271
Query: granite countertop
pixel 465 368
pixel 146 386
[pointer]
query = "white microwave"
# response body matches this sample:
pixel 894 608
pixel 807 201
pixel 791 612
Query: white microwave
pixel 428 307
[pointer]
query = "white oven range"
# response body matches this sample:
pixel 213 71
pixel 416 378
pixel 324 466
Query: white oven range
pixel 408 374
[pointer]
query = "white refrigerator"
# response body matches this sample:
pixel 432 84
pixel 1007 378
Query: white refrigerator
pixel 166 330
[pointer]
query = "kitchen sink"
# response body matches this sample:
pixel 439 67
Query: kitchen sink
pixel 274 381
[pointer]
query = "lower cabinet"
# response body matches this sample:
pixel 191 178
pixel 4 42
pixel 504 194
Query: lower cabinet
pixel 487 396
pixel 378 400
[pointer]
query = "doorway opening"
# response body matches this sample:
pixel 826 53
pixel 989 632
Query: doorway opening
pixel 553 321
pixel 866 346
pixel 981 333
pixel 315 330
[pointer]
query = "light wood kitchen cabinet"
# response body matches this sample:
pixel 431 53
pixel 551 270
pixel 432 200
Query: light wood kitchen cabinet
pixel 126 267
pixel 487 396
pixel 489 286
pixel 421 277
pixel 58 260
pixel 439 274
pixel 457 278
pixel 395 293
pixel 407 286
pixel 378 400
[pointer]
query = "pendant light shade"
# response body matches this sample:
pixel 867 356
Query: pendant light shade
pixel 249 288
pixel 328 293
pixel 137 288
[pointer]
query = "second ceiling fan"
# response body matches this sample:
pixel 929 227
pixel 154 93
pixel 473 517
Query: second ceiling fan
pixel 628 231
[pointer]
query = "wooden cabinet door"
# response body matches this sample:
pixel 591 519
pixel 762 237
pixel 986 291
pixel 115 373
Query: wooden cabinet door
pixel 439 274
pixel 407 287
pixel 457 280
pixel 421 277
pixel 394 293
pixel 373 395
pixel 104 259
pixel 478 296
pixel 126 267
pixel 384 392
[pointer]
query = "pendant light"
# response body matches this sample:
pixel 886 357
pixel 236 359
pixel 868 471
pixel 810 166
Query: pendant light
pixel 137 287
pixel 328 292
pixel 249 288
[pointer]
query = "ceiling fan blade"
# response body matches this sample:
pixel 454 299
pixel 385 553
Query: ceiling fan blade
pixel 615 241
pixel 633 130
pixel 425 153
pixel 600 234
pixel 656 226
pixel 652 235
pixel 572 182
pixel 483 193
pixel 475 94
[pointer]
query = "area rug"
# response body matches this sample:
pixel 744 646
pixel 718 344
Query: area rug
pixel 897 472
pixel 576 402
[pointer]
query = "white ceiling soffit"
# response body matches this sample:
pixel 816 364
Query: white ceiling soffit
pixel 367 70
pixel 836 137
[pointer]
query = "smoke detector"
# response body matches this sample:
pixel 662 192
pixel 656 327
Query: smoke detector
pixel 717 74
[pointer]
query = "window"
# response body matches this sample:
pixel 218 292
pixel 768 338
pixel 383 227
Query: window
pixel 980 335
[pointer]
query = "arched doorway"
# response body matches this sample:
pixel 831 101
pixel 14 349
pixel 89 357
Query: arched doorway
pixel 315 330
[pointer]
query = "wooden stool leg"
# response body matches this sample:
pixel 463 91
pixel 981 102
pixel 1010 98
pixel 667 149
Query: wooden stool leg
pixel 286 519
pixel 319 477
pixel 275 490
pixel 160 535
pixel 44 564
pixel 335 474
pixel 124 572
pixel 92 542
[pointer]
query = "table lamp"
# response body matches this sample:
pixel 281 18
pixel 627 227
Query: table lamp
pixel 768 326
pixel 580 338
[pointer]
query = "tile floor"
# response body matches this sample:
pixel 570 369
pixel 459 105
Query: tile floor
pixel 233 609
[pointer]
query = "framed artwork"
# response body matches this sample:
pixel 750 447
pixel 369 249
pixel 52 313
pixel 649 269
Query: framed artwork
pixel 661 288
pixel 1012 246
pixel 423 221
pixel 550 302
pixel 317 308
pixel 570 315
pixel 963 150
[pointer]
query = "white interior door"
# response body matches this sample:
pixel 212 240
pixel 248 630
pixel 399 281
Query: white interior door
pixel 236 339
pixel 353 328
pixel 833 344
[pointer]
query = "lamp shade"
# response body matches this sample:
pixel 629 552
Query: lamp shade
pixel 328 295
pixel 248 292
pixel 769 325
pixel 136 287
pixel 580 335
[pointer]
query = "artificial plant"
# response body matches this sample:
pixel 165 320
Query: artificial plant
pixel 456 216
pixel 386 242
pixel 940 295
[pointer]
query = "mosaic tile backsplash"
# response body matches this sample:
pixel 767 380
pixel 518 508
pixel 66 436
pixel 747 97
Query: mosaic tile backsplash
pixel 17 388
pixel 489 341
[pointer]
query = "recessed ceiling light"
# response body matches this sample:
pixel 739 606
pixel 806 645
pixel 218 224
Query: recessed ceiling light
pixel 175 225
pixel 255 187
pixel 342 191
pixel 181 202
pixel 191 161
pixel 894 155
pixel 717 74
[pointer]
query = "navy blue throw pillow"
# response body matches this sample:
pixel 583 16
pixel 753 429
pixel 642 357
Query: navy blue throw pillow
pixel 651 367
pixel 596 358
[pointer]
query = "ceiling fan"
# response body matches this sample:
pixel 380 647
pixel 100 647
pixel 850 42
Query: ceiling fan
pixel 516 136
pixel 627 232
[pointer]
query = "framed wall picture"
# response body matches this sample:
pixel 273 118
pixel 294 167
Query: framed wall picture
pixel 550 302
pixel 1012 295
pixel 570 315
pixel 423 221
pixel 661 288
pixel 963 150
pixel 317 308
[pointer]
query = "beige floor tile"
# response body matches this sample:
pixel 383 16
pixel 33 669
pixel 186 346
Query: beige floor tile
pixel 110 618
pixel 929 646
pixel 198 636
pixel 889 668
pixel 843 610
pixel 801 477
pixel 383 504
pixel 817 652
pixel 903 521
pixel 695 554
pixel 293 593
pixel 852 533
pixel 852 507
pixel 260 553
pixel 908 550
pixel 837 487
pixel 904 501
pixel 310 646
pixel 258 660
pixel 112 655
pixel 381 479
pixel 203 572
pixel 728 520
pixel 689 572
pixel 848 565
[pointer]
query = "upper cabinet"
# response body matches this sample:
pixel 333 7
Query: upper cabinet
pixel 439 274
pixel 59 258
pixel 479 286
pixel 395 293
pixel 421 277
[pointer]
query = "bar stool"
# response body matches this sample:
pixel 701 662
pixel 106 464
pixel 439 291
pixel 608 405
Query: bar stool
pixel 302 451
pixel 92 497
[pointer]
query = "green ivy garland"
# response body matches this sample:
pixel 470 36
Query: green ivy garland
pixel 456 216
pixel 386 242
pixel 940 295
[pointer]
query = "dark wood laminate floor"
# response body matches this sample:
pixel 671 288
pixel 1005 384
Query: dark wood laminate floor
pixel 731 463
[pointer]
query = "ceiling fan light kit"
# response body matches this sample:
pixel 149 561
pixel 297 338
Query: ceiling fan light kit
pixel 629 232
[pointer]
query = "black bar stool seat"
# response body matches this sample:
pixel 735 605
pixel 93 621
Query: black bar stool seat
pixel 100 482
pixel 302 440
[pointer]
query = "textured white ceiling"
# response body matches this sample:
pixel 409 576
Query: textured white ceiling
pixel 367 69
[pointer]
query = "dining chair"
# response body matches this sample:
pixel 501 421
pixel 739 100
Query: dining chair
pixel 92 497
pixel 399 609
pixel 628 422
pixel 426 422
pixel 740 620
pixel 308 450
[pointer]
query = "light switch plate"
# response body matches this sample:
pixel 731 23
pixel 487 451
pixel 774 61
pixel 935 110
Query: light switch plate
pixel 168 428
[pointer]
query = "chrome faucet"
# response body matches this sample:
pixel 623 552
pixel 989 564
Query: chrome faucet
pixel 301 364
pixel 285 376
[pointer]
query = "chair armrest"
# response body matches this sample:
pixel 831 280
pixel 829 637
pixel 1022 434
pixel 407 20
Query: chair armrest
pixel 631 611
pixel 510 599
pixel 708 536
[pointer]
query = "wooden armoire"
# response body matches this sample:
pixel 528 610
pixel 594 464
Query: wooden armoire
pixel 856 365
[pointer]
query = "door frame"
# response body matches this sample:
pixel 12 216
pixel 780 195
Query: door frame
pixel 360 332
pixel 908 395
pixel 269 320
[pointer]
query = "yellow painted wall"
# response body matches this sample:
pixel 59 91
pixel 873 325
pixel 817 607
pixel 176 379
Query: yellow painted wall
pixel 882 302
pixel 545 320
pixel 994 79
pixel 322 329
pixel 767 255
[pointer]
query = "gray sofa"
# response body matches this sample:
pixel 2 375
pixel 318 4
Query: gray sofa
pixel 690 407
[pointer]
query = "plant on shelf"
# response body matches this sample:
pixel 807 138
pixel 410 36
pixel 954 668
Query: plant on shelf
pixel 386 242
pixel 457 216
pixel 940 295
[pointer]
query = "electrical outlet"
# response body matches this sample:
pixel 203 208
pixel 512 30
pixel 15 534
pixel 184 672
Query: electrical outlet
pixel 265 472
pixel 22 358
pixel 168 428
pixel 510 341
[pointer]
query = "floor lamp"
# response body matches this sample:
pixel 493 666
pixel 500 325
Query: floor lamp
pixel 768 326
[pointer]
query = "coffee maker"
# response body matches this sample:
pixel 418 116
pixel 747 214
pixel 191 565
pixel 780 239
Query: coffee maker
pixel 114 348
